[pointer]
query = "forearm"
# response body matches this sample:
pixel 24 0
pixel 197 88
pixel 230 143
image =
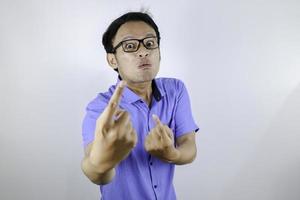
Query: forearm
pixel 95 174
pixel 187 153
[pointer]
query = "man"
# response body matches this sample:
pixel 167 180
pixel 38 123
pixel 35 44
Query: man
pixel 136 132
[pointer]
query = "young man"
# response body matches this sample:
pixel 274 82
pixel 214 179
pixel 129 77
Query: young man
pixel 136 132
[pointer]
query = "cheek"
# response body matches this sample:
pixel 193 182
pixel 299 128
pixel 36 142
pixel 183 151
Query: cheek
pixel 125 60
pixel 156 62
pixel 155 56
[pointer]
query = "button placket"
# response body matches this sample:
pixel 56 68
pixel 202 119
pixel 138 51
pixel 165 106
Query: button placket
pixel 151 160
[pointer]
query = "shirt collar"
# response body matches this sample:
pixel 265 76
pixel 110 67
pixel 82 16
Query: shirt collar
pixel 131 97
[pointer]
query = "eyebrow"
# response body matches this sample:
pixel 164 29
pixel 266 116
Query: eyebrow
pixel 130 37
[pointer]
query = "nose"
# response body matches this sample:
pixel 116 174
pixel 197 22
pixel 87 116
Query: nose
pixel 143 55
pixel 143 52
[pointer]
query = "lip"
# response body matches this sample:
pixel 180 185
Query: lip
pixel 143 66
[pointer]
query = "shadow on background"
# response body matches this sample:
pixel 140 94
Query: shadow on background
pixel 273 171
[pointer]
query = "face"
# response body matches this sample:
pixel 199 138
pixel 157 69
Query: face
pixel 135 67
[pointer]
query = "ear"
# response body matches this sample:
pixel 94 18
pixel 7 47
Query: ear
pixel 112 61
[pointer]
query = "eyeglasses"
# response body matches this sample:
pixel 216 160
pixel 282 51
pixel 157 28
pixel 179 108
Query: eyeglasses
pixel 132 45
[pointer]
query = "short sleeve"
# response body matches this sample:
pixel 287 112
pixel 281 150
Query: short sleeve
pixel 93 111
pixel 184 121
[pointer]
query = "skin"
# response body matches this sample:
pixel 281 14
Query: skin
pixel 117 137
pixel 138 80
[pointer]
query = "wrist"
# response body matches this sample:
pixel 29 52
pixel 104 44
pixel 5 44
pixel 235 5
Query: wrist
pixel 100 168
pixel 174 156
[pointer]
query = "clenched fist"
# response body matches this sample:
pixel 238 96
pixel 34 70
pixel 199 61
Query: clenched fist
pixel 115 136
pixel 160 142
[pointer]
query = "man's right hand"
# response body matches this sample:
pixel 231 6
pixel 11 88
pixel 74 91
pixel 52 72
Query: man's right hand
pixel 115 136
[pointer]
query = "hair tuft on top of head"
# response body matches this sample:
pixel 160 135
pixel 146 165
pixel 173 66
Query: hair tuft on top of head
pixel 112 29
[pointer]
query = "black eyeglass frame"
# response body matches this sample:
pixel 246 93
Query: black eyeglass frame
pixel 139 40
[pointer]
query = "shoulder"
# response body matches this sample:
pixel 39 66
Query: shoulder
pixel 170 84
pixel 100 101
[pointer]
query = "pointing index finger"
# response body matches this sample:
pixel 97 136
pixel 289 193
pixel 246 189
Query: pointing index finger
pixel 156 119
pixel 114 100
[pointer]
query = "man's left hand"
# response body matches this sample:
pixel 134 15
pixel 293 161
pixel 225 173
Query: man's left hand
pixel 160 142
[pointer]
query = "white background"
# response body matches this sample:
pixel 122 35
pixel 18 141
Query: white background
pixel 240 61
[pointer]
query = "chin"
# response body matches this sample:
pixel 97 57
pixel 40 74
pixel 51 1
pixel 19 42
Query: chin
pixel 142 80
pixel 142 77
pixel 149 78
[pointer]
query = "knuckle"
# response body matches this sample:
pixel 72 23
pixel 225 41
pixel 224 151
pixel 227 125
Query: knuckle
pixel 128 128
pixel 112 104
pixel 127 115
pixel 165 146
pixel 119 137
pixel 104 129
pixel 131 143
pixel 149 147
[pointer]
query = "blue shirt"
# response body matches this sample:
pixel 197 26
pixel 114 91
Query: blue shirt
pixel 141 176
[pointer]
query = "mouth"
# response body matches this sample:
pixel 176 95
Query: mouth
pixel 143 66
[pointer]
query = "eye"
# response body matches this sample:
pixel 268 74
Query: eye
pixel 150 43
pixel 130 46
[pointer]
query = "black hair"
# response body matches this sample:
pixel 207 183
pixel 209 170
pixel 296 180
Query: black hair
pixel 112 29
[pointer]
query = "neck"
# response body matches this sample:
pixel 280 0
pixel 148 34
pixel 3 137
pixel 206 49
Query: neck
pixel 144 89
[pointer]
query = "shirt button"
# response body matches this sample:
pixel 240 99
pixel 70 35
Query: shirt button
pixel 151 163
pixel 155 186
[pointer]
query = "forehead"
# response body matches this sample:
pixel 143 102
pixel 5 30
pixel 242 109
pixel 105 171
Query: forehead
pixel 134 29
